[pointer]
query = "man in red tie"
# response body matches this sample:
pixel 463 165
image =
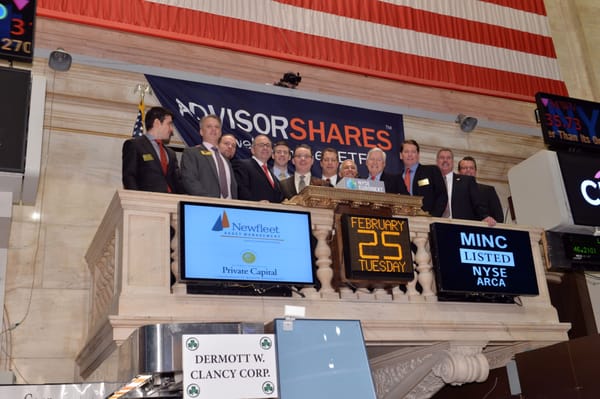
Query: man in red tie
pixel 255 181
pixel 376 164
pixel 426 180
pixel 142 166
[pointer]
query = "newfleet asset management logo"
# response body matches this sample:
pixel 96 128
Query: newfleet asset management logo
pixel 590 190
pixel 245 230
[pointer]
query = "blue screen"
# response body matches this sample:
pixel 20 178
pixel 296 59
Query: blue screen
pixel 322 359
pixel 239 244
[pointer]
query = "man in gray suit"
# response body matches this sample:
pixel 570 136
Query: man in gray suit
pixel 204 171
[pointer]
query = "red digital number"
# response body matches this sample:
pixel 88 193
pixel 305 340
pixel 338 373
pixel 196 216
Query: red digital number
pixel 18 27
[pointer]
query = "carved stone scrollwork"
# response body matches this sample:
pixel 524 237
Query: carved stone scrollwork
pixel 387 378
pixel 462 365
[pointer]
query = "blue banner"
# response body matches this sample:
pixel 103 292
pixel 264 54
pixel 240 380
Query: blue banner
pixel 353 131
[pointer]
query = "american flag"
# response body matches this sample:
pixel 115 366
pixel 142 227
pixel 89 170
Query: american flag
pixel 501 48
pixel 138 126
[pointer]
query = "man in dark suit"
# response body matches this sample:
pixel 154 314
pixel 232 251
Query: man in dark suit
pixel 464 201
pixel 376 159
pixel 281 160
pixel 423 180
pixel 204 170
pixel 489 197
pixel 256 182
pixel 303 160
pixel 142 167
pixel 329 165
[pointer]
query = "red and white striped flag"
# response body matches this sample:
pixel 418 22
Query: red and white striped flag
pixel 496 47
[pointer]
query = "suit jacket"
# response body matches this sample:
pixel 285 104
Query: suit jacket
pixel 393 183
pixel 253 183
pixel 429 183
pixel 199 173
pixel 466 202
pixel 288 186
pixel 490 199
pixel 142 170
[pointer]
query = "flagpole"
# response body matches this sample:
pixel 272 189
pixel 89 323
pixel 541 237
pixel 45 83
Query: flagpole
pixel 142 90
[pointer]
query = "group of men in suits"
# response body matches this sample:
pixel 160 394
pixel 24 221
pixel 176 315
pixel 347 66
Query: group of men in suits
pixel 445 193
pixel 209 170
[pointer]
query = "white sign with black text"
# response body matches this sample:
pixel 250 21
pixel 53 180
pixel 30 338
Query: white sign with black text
pixel 229 366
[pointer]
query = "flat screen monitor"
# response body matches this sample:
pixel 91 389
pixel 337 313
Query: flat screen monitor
pixel 15 97
pixel 484 264
pixel 568 123
pixel 581 177
pixel 322 359
pixel 238 247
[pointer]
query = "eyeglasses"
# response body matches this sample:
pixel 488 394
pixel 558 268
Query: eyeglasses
pixel 282 152
pixel 262 145
pixel 303 156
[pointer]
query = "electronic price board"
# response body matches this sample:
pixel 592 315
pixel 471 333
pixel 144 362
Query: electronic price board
pixel 17 26
pixel 569 123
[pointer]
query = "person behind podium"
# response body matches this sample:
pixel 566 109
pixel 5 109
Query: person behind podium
pixel 329 165
pixel 423 180
pixel 204 170
pixel 348 168
pixel 375 162
pixel 256 181
pixel 142 168
pixel 227 145
pixel 302 177
pixel 464 201
pixel 281 160
pixel 489 196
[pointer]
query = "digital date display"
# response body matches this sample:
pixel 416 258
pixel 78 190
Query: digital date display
pixel 376 249
pixel 17 18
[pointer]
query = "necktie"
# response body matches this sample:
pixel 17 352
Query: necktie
pixel 164 162
pixel 266 170
pixel 222 174
pixel 372 177
pixel 446 213
pixel 407 179
pixel 301 184
pixel 282 176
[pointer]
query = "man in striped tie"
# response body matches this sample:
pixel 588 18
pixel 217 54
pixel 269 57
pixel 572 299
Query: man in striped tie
pixel 204 170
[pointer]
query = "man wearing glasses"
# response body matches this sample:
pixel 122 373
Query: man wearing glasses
pixel 255 181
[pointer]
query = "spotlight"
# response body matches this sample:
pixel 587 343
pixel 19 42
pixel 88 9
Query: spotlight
pixel 467 123
pixel 289 80
pixel 60 60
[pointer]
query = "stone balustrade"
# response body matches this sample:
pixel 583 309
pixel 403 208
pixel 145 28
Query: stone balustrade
pixel 416 343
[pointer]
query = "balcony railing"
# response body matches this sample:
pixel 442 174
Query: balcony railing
pixel 411 337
